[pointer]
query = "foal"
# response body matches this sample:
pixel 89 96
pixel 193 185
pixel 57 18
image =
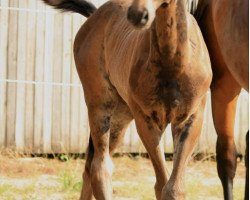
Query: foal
pixel 142 60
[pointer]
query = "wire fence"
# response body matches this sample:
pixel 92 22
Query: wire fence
pixel 40 83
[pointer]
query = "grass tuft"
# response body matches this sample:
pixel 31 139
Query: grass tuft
pixel 70 181
pixel 5 188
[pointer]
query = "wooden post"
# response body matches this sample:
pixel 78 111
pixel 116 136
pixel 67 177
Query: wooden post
pixel 48 75
pixel 11 73
pixel 67 49
pixel 39 72
pixel 4 16
pixel 57 90
pixel 21 75
pixel 30 72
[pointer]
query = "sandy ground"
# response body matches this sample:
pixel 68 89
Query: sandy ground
pixel 133 179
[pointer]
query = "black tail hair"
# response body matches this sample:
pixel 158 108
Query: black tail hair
pixel 90 155
pixel 82 7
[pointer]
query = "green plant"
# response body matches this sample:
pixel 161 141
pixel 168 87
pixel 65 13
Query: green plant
pixel 63 157
pixel 70 181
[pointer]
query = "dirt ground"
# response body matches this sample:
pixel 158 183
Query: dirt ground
pixel 133 179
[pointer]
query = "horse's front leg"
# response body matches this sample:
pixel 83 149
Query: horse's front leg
pixel 185 135
pixel 224 93
pixel 151 138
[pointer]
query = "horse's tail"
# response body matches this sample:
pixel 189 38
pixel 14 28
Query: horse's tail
pixel 82 7
pixel 90 155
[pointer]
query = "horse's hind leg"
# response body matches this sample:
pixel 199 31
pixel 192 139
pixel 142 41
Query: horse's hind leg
pixel 107 131
pixel 101 100
pixel 87 193
pixel 185 136
pixel 119 123
pixel 224 93
pixel 98 168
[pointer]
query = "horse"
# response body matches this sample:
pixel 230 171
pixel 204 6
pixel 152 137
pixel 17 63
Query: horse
pixel 144 60
pixel 225 28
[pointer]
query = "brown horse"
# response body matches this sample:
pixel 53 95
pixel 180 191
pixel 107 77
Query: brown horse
pixel 144 60
pixel 224 24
